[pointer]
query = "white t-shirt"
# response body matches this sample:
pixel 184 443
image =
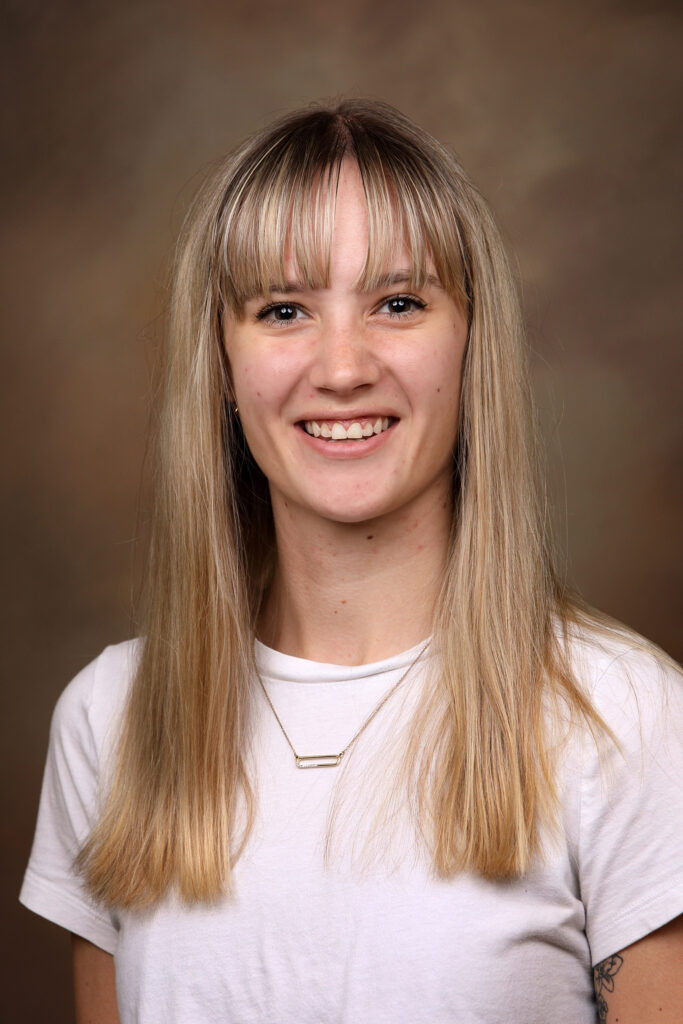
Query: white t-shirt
pixel 305 941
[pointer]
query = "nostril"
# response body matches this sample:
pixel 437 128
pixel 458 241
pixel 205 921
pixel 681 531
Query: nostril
pixel 345 370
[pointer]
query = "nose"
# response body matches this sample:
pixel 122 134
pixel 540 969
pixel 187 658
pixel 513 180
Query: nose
pixel 343 359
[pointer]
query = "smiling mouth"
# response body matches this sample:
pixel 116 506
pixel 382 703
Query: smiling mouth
pixel 354 430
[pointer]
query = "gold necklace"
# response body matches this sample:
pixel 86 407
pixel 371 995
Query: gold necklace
pixel 332 760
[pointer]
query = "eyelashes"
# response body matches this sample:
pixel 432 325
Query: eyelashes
pixel 404 305
pixel 288 310
pixel 398 307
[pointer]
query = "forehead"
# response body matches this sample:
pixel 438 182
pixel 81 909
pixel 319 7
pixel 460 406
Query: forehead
pixel 348 245
pixel 343 218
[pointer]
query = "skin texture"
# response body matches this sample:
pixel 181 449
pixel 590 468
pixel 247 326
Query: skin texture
pixel 362 539
pixel 644 983
pixel 94 984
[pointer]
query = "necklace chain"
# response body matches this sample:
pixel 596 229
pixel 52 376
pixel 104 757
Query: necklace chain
pixel 332 760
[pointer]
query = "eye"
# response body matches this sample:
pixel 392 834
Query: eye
pixel 401 305
pixel 280 313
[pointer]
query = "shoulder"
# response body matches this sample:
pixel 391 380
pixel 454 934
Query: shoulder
pixel 95 698
pixel 623 800
pixel 83 736
pixel 631 683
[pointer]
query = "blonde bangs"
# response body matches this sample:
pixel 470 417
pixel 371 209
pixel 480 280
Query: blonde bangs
pixel 405 211
pixel 286 206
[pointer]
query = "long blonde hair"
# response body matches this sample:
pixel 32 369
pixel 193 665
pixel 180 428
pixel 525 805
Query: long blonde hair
pixel 180 804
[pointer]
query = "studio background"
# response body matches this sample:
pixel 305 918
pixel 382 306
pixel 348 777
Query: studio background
pixel 566 114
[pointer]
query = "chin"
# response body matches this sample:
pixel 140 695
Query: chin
pixel 350 512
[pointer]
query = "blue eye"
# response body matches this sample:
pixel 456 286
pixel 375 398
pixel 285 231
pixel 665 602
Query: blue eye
pixel 401 305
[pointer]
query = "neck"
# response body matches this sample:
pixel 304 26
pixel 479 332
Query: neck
pixel 354 593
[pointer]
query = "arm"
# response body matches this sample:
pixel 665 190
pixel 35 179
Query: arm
pixel 94 984
pixel 643 983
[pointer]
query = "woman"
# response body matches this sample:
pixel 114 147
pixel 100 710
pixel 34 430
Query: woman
pixel 371 762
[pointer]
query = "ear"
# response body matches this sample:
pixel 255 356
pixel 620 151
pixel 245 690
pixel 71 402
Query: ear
pixel 230 400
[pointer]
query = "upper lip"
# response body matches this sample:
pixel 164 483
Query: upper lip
pixel 340 416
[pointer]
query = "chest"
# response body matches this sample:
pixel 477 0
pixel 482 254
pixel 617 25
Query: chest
pixel 298 942
pixel 326 926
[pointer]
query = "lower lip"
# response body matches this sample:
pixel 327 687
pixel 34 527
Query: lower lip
pixel 347 449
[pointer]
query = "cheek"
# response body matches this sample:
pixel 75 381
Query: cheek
pixel 438 379
pixel 249 389
pixel 438 374
pixel 261 387
pixel 256 387
pixel 263 375
pixel 246 382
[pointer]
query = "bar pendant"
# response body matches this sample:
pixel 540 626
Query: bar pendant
pixel 318 761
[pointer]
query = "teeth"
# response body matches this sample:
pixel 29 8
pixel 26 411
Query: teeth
pixel 355 432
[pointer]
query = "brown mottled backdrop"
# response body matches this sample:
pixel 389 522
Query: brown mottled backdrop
pixel 566 112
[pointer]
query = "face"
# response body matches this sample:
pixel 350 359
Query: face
pixel 349 399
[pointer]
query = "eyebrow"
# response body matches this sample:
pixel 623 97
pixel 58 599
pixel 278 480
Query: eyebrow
pixel 405 277
pixel 388 280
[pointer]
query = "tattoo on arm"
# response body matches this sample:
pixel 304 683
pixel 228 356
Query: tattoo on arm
pixel 603 979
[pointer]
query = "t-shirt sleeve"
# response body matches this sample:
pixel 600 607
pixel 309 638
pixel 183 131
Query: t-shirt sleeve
pixel 630 851
pixel 68 805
